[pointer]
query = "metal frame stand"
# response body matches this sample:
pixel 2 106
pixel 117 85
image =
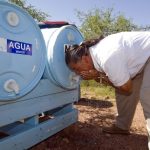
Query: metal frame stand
pixel 38 115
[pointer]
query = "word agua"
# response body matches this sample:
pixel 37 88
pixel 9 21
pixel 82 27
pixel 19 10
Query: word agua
pixel 19 46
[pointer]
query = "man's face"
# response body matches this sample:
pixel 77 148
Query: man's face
pixel 85 64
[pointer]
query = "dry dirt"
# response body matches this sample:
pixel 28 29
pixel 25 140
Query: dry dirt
pixel 87 133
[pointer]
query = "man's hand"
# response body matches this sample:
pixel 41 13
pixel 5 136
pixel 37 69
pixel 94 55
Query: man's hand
pixel 89 75
pixel 125 89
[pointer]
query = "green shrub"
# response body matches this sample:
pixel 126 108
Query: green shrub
pixel 93 89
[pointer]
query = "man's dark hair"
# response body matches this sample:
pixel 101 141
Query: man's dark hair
pixel 74 53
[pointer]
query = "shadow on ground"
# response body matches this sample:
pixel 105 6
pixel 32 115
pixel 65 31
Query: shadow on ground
pixel 87 133
pixel 95 103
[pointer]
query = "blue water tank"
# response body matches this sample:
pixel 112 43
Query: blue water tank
pixel 56 68
pixel 22 52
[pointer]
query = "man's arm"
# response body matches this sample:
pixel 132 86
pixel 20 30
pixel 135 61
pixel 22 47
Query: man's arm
pixel 125 88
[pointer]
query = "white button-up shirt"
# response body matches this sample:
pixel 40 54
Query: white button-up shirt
pixel 121 55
